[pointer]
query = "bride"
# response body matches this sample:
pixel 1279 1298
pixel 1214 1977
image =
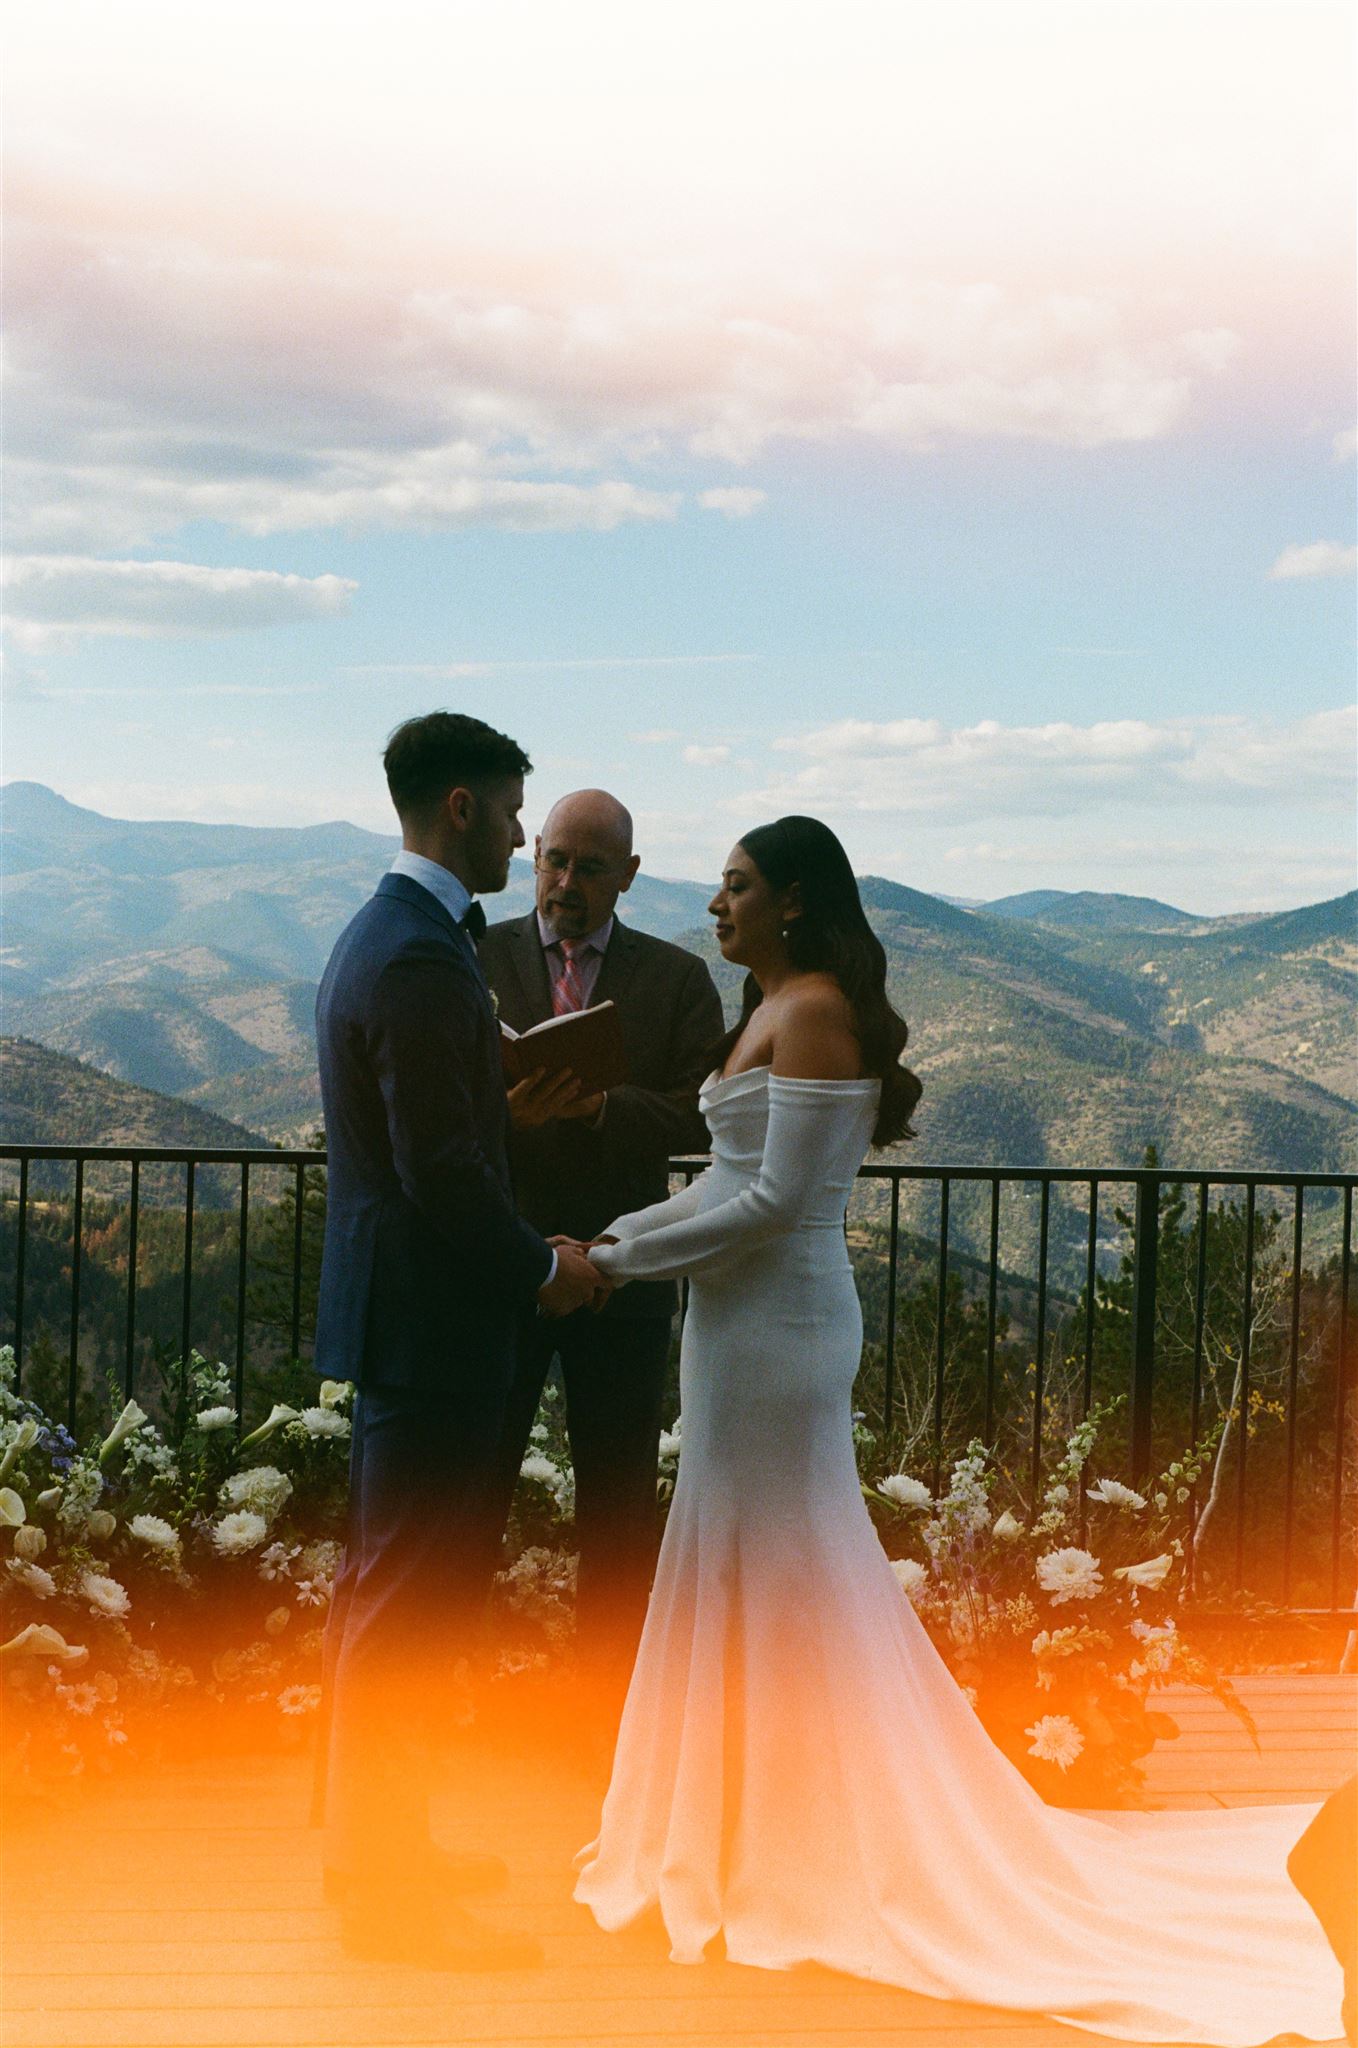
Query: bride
pixel 796 1771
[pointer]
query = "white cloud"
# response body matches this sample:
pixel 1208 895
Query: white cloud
pixel 706 757
pixel 53 597
pixel 1316 558
pixel 659 736
pixel 920 768
pixel 734 502
pixel 166 378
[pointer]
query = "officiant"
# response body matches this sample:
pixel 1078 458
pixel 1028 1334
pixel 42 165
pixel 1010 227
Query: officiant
pixel 578 1160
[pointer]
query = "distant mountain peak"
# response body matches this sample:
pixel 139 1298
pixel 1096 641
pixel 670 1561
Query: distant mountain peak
pixel 1091 907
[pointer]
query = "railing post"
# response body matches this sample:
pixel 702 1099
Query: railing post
pixel 1146 1258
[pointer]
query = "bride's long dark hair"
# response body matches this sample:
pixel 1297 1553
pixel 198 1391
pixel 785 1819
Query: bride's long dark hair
pixel 832 936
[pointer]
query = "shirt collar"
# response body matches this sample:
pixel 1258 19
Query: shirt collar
pixel 597 939
pixel 452 894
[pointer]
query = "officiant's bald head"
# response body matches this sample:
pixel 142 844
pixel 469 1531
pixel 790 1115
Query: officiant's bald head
pixel 584 861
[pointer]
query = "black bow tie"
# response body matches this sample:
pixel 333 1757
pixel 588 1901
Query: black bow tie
pixel 474 923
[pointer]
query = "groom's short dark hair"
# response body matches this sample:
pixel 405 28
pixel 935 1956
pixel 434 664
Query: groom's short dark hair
pixel 426 757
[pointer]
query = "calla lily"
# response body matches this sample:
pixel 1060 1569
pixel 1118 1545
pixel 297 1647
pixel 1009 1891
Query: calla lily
pixel 279 1415
pixel 13 1513
pixel 131 1419
pixel 334 1393
pixel 1006 1527
pixel 1152 1573
pixel 50 1497
pixel 40 1639
pixel 24 1438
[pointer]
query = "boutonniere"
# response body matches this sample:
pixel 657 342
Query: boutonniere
pixel 494 999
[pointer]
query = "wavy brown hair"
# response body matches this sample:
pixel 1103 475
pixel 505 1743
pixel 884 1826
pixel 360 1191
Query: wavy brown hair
pixel 832 936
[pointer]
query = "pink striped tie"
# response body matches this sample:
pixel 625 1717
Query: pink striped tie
pixel 568 992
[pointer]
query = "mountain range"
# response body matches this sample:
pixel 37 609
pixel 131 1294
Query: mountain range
pixel 1049 1028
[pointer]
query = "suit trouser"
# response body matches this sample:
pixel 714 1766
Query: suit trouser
pixel 406 1607
pixel 614 1374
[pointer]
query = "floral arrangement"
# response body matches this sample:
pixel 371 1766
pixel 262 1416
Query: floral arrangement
pixel 146 1573
pixel 1062 1628
pixel 192 1571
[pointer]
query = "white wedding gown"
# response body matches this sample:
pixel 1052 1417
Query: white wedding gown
pixel 796 1769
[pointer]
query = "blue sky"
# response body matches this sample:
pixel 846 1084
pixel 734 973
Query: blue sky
pixel 982 480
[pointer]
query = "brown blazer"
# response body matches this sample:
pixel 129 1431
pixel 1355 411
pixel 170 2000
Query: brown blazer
pixel 574 1180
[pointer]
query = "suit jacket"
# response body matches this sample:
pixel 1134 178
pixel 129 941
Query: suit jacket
pixel 427 1267
pixel 574 1180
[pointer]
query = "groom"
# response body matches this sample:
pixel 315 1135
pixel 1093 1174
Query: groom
pixel 427 1269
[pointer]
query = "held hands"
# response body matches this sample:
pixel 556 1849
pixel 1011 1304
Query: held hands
pixel 544 1098
pixel 576 1283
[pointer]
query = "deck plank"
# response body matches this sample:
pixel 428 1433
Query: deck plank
pixel 187 1913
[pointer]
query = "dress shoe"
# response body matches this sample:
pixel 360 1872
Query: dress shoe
pixel 448 1939
pixel 445 1874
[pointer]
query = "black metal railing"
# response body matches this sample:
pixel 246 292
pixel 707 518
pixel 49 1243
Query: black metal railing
pixel 945 1221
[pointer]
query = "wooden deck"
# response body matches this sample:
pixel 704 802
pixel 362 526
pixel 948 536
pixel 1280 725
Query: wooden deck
pixel 189 1913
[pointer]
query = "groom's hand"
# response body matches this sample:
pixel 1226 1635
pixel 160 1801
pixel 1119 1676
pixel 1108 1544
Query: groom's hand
pixel 575 1283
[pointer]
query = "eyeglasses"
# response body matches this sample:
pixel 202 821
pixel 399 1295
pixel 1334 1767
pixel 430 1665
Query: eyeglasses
pixel 585 870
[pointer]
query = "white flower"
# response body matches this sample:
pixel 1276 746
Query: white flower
pixel 209 1419
pixel 238 1532
pixel 39 1639
pixel 542 1469
pixel 335 1393
pixel 1152 1573
pixel 78 1699
pixel 32 1577
pixel 1006 1528
pixel 13 1513
pixel 105 1595
pixel 538 1433
pixel 50 1497
pixel 131 1419
pixel 911 1576
pixel 30 1542
pixel 670 1445
pixel 24 1437
pixel 299 1699
pixel 905 1491
pixel 276 1561
pixel 1056 1740
pixel 324 1422
pixel 1113 1494
pixel 153 1532
pixel 101 1525
pixel 277 1416
pixel 1069 1575
pixel 262 1488
pixel 322 1559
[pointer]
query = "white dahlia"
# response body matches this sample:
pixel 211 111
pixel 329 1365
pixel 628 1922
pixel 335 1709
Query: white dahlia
pixel 1069 1575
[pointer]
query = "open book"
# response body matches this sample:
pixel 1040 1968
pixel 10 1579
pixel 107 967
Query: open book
pixel 589 1042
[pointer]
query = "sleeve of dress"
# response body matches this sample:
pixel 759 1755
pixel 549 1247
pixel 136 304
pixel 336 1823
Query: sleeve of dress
pixel 803 1141
pixel 639 1221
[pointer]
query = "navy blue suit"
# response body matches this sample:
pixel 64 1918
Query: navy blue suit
pixel 426 1273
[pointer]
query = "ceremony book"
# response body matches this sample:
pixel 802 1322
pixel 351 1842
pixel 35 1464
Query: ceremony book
pixel 589 1042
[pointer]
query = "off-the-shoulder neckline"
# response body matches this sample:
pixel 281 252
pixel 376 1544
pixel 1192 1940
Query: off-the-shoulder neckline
pixel 715 1080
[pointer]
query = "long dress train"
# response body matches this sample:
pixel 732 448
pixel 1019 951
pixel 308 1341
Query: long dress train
pixel 796 1768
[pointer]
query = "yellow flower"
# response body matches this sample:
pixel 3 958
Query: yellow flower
pixel 1152 1573
pixel 40 1639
